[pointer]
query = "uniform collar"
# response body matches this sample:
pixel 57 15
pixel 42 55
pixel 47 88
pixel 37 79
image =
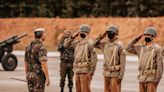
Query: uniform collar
pixel 153 45
pixel 36 41
pixel 84 40
pixel 150 47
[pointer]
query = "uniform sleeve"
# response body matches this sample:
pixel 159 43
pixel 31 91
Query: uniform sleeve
pixel 98 44
pixel 42 53
pixel 132 48
pixel 162 51
pixel 122 55
pixel 93 59
pixel 60 47
pixel 70 41
pixel 159 60
pixel 26 54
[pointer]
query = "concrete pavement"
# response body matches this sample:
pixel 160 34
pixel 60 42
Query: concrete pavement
pixel 8 84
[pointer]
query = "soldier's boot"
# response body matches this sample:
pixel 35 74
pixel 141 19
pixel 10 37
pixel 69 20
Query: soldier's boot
pixel 70 89
pixel 62 89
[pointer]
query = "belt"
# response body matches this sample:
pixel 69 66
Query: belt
pixel 82 64
pixel 113 68
pixel 147 72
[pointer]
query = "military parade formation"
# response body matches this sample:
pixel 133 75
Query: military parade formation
pixel 78 60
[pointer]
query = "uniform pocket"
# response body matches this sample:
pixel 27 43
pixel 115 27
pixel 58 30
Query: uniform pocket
pixel 31 76
pixel 142 77
pixel 40 75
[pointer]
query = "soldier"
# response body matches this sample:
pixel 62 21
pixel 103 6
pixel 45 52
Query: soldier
pixel 150 60
pixel 162 52
pixel 85 58
pixel 36 63
pixel 114 54
pixel 66 65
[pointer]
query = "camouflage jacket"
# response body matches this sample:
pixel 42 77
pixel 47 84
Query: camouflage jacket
pixel 66 53
pixel 114 55
pixel 150 61
pixel 85 56
pixel 35 54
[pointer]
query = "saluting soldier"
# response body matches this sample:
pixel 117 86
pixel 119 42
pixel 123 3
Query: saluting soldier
pixel 67 59
pixel 114 54
pixel 85 58
pixel 150 60
pixel 36 63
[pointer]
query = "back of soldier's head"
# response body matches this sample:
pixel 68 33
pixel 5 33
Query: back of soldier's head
pixel 39 32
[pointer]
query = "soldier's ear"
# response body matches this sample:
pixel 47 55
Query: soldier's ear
pixel 156 35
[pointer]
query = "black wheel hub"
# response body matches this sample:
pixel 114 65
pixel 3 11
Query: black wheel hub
pixel 10 61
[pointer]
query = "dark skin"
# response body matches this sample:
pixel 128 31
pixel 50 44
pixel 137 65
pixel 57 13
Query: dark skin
pixel 76 35
pixel 102 36
pixel 147 36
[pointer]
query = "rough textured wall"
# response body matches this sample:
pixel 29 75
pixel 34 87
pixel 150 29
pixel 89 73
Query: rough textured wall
pixel 128 28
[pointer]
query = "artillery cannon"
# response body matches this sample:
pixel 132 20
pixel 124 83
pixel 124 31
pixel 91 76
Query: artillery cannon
pixel 9 61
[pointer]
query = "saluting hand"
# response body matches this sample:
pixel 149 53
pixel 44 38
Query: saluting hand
pixel 139 37
pixel 75 35
pixel 101 36
pixel 104 35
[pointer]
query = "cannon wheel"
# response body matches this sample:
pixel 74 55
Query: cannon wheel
pixel 9 62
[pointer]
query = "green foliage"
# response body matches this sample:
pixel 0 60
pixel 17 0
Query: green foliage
pixel 81 8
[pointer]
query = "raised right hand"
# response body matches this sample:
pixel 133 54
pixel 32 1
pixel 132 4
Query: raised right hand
pixel 140 36
pixel 75 35
pixel 104 35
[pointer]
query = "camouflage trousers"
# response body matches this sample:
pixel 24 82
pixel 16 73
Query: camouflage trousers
pixel 148 87
pixel 36 85
pixel 112 84
pixel 66 70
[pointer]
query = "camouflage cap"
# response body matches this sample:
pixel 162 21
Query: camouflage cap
pixel 112 28
pixel 151 31
pixel 84 28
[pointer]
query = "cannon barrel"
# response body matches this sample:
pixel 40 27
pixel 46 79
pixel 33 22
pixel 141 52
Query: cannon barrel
pixel 12 40
pixel 21 36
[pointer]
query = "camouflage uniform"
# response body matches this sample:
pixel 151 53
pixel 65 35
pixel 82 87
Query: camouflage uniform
pixel 34 54
pixel 84 63
pixel 66 65
pixel 150 64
